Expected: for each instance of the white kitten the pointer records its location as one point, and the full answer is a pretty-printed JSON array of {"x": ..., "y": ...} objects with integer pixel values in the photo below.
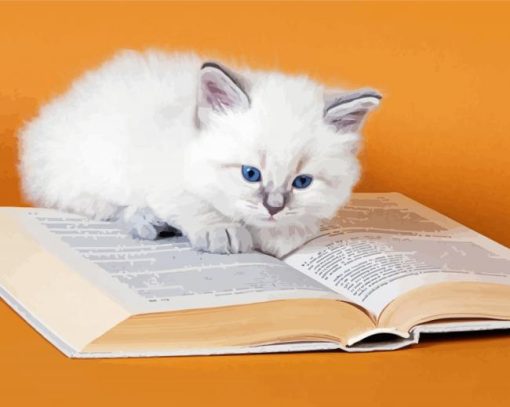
[{"x": 237, "y": 161}]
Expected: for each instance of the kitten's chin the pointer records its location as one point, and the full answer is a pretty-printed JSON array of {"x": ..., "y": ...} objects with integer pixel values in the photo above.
[
  {"x": 262, "y": 222},
  {"x": 270, "y": 222}
]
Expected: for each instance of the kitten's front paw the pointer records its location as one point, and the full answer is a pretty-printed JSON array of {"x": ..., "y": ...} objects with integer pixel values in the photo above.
[
  {"x": 144, "y": 224},
  {"x": 223, "y": 239}
]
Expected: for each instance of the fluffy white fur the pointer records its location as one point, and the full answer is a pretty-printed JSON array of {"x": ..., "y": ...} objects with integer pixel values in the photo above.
[{"x": 128, "y": 142}]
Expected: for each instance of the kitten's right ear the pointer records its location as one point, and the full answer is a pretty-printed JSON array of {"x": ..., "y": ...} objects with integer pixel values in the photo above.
[{"x": 219, "y": 91}]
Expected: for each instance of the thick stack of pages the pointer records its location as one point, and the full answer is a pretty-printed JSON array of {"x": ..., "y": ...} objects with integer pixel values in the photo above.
[{"x": 385, "y": 265}]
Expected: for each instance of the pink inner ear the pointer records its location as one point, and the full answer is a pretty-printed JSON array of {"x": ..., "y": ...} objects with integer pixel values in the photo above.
[
  {"x": 350, "y": 121},
  {"x": 217, "y": 96}
]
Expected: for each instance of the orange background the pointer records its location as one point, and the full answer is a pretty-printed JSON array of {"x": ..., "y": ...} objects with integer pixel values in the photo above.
[{"x": 440, "y": 136}]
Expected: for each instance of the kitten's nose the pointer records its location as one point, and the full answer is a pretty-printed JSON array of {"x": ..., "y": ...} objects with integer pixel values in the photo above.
[{"x": 274, "y": 203}]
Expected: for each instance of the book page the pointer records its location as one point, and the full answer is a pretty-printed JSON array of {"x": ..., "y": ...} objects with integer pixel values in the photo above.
[
  {"x": 382, "y": 245},
  {"x": 165, "y": 274}
]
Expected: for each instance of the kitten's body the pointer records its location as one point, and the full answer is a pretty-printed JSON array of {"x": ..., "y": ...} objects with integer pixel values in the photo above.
[{"x": 127, "y": 142}]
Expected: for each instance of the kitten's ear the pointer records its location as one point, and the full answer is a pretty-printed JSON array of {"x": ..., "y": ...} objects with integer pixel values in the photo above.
[
  {"x": 220, "y": 90},
  {"x": 347, "y": 110}
]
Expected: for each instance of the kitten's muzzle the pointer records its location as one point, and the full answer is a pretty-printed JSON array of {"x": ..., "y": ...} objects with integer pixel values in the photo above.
[{"x": 274, "y": 202}]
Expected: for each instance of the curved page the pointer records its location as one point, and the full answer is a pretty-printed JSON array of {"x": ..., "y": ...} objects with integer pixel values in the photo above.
[{"x": 383, "y": 245}]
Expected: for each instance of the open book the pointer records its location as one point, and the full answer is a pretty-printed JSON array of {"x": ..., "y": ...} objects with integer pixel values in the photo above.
[{"x": 385, "y": 265}]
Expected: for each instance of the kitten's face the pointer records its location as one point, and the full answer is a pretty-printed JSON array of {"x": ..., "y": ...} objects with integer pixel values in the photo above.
[
  {"x": 277, "y": 161},
  {"x": 267, "y": 184}
]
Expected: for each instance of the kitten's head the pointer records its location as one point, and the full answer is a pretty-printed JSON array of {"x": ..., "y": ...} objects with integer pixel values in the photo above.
[{"x": 276, "y": 149}]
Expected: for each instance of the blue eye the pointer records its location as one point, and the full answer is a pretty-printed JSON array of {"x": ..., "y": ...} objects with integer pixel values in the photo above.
[
  {"x": 302, "y": 181},
  {"x": 251, "y": 174}
]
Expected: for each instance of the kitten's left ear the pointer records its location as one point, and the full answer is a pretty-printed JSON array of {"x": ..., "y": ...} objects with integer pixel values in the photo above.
[
  {"x": 347, "y": 110},
  {"x": 220, "y": 90}
]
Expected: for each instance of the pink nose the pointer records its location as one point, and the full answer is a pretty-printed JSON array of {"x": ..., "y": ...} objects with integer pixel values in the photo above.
[
  {"x": 272, "y": 209},
  {"x": 274, "y": 202}
]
